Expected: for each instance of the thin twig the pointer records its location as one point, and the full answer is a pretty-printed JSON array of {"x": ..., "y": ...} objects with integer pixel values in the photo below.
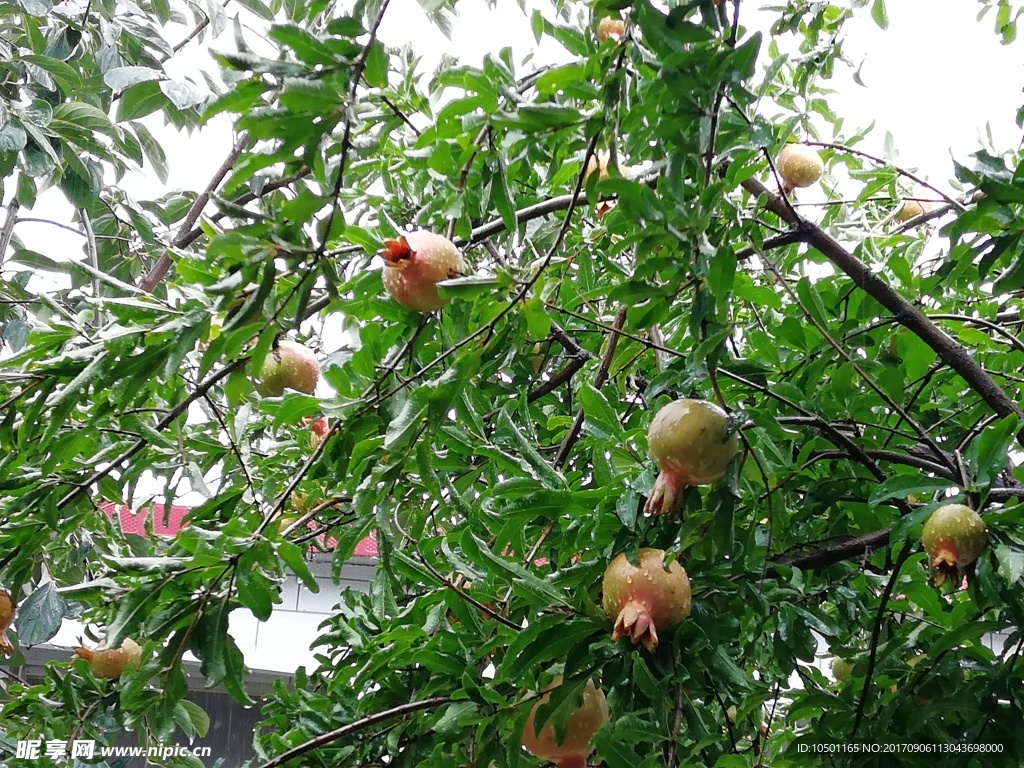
[
  {"x": 8, "y": 229},
  {"x": 876, "y": 631},
  {"x": 346, "y": 730},
  {"x": 902, "y": 171},
  {"x": 159, "y": 270}
]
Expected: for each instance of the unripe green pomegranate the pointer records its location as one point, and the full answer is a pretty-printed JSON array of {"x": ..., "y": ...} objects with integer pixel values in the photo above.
[
  {"x": 413, "y": 266},
  {"x": 111, "y": 663},
  {"x": 953, "y": 537},
  {"x": 688, "y": 440},
  {"x": 842, "y": 669},
  {"x": 643, "y": 599},
  {"x": 580, "y": 729},
  {"x": 289, "y": 365},
  {"x": 798, "y": 166}
]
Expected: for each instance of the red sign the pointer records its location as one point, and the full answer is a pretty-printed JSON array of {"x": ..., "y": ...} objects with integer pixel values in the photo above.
[{"x": 134, "y": 523}]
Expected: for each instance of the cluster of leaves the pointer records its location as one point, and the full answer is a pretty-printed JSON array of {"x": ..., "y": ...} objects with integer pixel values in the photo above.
[{"x": 497, "y": 449}]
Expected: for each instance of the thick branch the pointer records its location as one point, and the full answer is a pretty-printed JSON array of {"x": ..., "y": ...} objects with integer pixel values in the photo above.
[
  {"x": 824, "y": 556},
  {"x": 905, "y": 313}
]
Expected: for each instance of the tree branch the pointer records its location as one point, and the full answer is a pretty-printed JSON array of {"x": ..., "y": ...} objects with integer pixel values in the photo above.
[
  {"x": 905, "y": 313},
  {"x": 346, "y": 730},
  {"x": 159, "y": 270},
  {"x": 876, "y": 631},
  {"x": 8, "y": 229},
  {"x": 171, "y": 416},
  {"x": 952, "y": 202},
  {"x": 599, "y": 380}
]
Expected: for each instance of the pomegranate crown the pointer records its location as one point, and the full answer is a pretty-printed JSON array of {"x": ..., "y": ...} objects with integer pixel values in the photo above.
[{"x": 396, "y": 252}]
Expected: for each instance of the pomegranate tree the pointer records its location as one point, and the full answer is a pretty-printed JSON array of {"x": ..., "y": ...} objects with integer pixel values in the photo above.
[
  {"x": 111, "y": 662},
  {"x": 413, "y": 266},
  {"x": 953, "y": 537},
  {"x": 645, "y": 598},
  {"x": 6, "y": 617},
  {"x": 691, "y": 444},
  {"x": 572, "y": 751},
  {"x": 289, "y": 365},
  {"x": 798, "y": 166}
]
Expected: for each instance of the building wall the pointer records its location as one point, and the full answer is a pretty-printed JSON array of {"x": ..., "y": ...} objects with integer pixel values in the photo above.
[{"x": 273, "y": 650}]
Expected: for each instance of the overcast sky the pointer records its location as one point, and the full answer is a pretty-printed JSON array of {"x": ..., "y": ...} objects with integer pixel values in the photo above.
[{"x": 936, "y": 79}]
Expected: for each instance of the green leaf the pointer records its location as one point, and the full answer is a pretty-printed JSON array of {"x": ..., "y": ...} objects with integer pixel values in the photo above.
[
  {"x": 140, "y": 100},
  {"x": 478, "y": 551},
  {"x": 306, "y": 46},
  {"x": 906, "y": 485},
  {"x": 989, "y": 452},
  {"x": 119, "y": 78},
  {"x": 376, "y": 71},
  {"x": 529, "y": 458},
  {"x": 295, "y": 558},
  {"x": 879, "y": 14},
  {"x": 40, "y": 615}
]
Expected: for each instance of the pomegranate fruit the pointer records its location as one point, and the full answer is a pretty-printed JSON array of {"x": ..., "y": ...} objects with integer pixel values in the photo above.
[
  {"x": 611, "y": 28},
  {"x": 289, "y": 365},
  {"x": 645, "y": 598},
  {"x": 911, "y": 209},
  {"x": 413, "y": 266},
  {"x": 798, "y": 166},
  {"x": 689, "y": 442},
  {"x": 318, "y": 432},
  {"x": 953, "y": 537},
  {"x": 582, "y": 725},
  {"x": 111, "y": 663},
  {"x": 6, "y": 617},
  {"x": 842, "y": 669}
]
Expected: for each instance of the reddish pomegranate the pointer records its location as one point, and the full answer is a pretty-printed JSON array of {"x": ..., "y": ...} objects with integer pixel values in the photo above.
[
  {"x": 953, "y": 537},
  {"x": 611, "y": 28},
  {"x": 318, "y": 431},
  {"x": 289, "y": 365},
  {"x": 798, "y": 166},
  {"x": 413, "y": 266},
  {"x": 646, "y": 598},
  {"x": 6, "y": 617},
  {"x": 111, "y": 663},
  {"x": 582, "y": 725},
  {"x": 689, "y": 441}
]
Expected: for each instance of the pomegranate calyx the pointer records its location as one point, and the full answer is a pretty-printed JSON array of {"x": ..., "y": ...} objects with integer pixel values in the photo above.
[
  {"x": 397, "y": 253},
  {"x": 634, "y": 621},
  {"x": 662, "y": 500}
]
